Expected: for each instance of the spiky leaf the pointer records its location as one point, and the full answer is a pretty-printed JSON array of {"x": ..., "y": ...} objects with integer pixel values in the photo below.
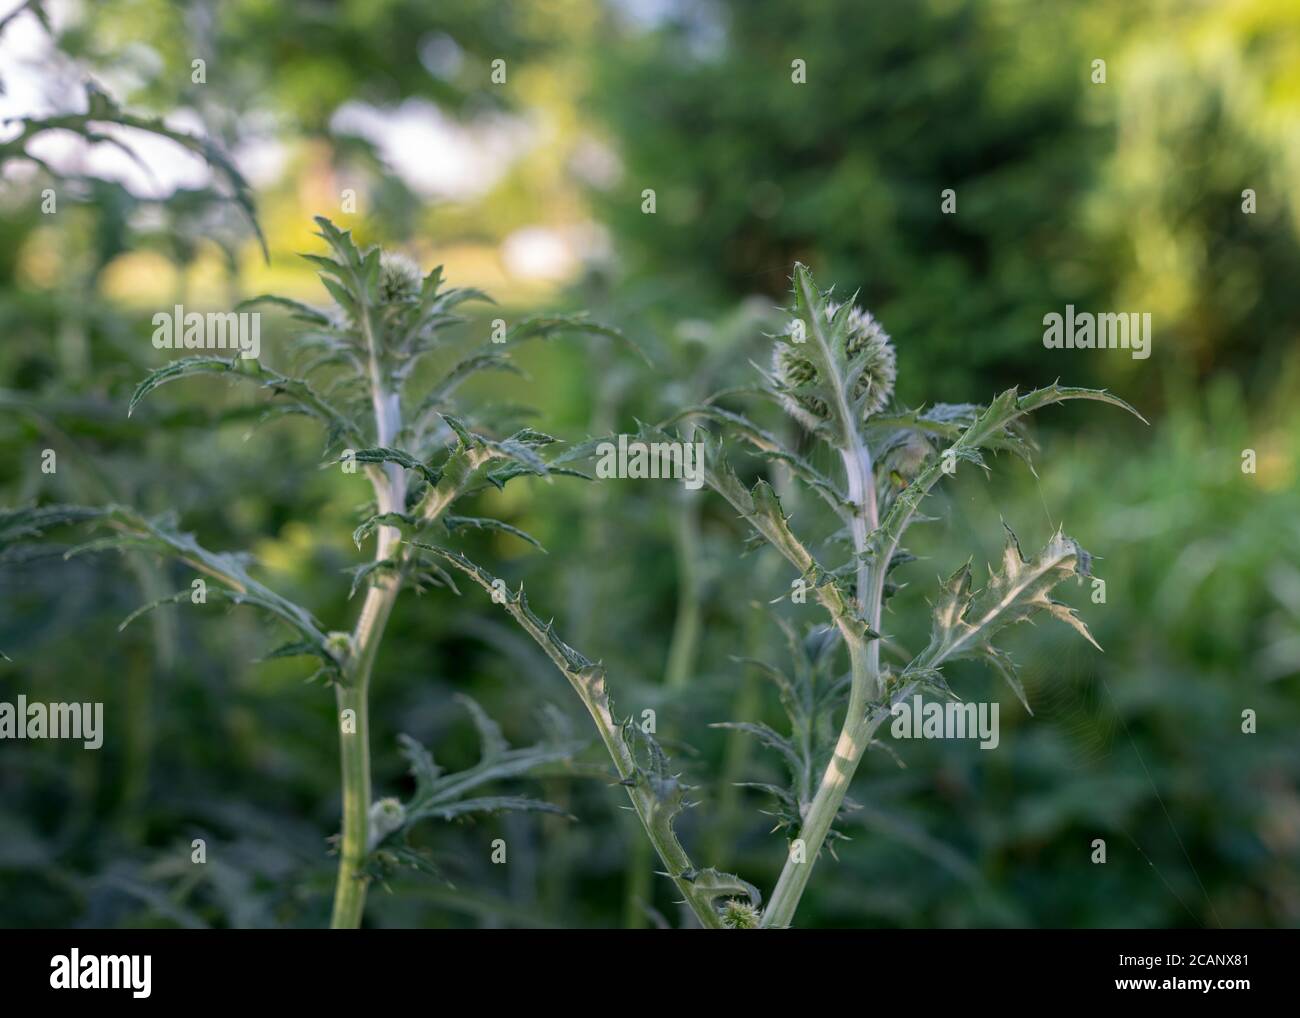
[{"x": 966, "y": 620}]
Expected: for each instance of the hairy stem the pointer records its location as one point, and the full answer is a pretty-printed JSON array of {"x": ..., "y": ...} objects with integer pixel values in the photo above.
[
  {"x": 856, "y": 732},
  {"x": 821, "y": 814},
  {"x": 825, "y": 805},
  {"x": 354, "y": 748},
  {"x": 354, "y": 753},
  {"x": 353, "y": 692},
  {"x": 865, "y": 519}
]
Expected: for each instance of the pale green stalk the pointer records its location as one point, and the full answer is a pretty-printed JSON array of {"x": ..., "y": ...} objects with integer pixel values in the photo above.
[
  {"x": 354, "y": 742},
  {"x": 354, "y": 689},
  {"x": 857, "y": 731}
]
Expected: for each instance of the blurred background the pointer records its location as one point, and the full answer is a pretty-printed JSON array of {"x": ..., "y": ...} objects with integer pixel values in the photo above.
[{"x": 1125, "y": 195}]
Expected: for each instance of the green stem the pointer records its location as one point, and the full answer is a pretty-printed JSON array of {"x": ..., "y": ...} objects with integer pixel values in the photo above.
[
  {"x": 857, "y": 731},
  {"x": 354, "y": 753},
  {"x": 854, "y": 738},
  {"x": 354, "y": 747},
  {"x": 353, "y": 692}
]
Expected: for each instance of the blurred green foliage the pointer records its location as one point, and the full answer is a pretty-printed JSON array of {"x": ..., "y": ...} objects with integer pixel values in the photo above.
[{"x": 1119, "y": 195}]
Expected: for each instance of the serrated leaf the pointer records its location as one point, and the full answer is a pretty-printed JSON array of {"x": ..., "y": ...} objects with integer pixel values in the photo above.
[
  {"x": 988, "y": 430},
  {"x": 770, "y": 447},
  {"x": 371, "y": 523},
  {"x": 466, "y": 437},
  {"x": 421, "y": 765},
  {"x": 782, "y": 795},
  {"x": 384, "y": 454},
  {"x": 487, "y": 523},
  {"x": 34, "y": 520},
  {"x": 297, "y": 648},
  {"x": 759, "y": 506},
  {"x": 492, "y": 743},
  {"x": 101, "y": 108},
  {"x": 488, "y": 804},
  {"x": 713, "y": 884},
  {"x": 965, "y": 621},
  {"x": 463, "y": 370},
  {"x": 364, "y": 572},
  {"x": 302, "y": 312},
  {"x": 1001, "y": 662},
  {"x": 769, "y": 737},
  {"x": 549, "y": 326},
  {"x": 158, "y": 602},
  {"x": 298, "y": 390},
  {"x": 159, "y": 534}
]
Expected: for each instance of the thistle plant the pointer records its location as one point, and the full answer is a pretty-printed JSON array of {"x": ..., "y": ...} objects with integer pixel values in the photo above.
[
  {"x": 422, "y": 454},
  {"x": 833, "y": 372}
]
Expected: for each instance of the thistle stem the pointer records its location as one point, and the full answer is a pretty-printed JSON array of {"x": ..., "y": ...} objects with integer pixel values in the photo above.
[
  {"x": 862, "y": 493},
  {"x": 822, "y": 811},
  {"x": 353, "y": 693},
  {"x": 856, "y": 732},
  {"x": 657, "y": 825},
  {"x": 354, "y": 753}
]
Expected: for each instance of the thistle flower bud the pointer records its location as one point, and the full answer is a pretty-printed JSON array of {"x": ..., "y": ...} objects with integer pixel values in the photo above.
[
  {"x": 871, "y": 364},
  {"x": 339, "y": 643},
  {"x": 399, "y": 278},
  {"x": 739, "y": 915},
  {"x": 386, "y": 816}
]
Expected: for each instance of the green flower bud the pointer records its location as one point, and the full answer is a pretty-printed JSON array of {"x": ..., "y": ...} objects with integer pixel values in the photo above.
[
  {"x": 872, "y": 364},
  {"x": 739, "y": 915},
  {"x": 399, "y": 278},
  {"x": 386, "y": 816},
  {"x": 339, "y": 644}
]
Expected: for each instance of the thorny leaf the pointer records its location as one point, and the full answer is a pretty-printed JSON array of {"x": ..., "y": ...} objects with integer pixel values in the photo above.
[
  {"x": 966, "y": 620},
  {"x": 770, "y": 447},
  {"x": 442, "y": 796}
]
